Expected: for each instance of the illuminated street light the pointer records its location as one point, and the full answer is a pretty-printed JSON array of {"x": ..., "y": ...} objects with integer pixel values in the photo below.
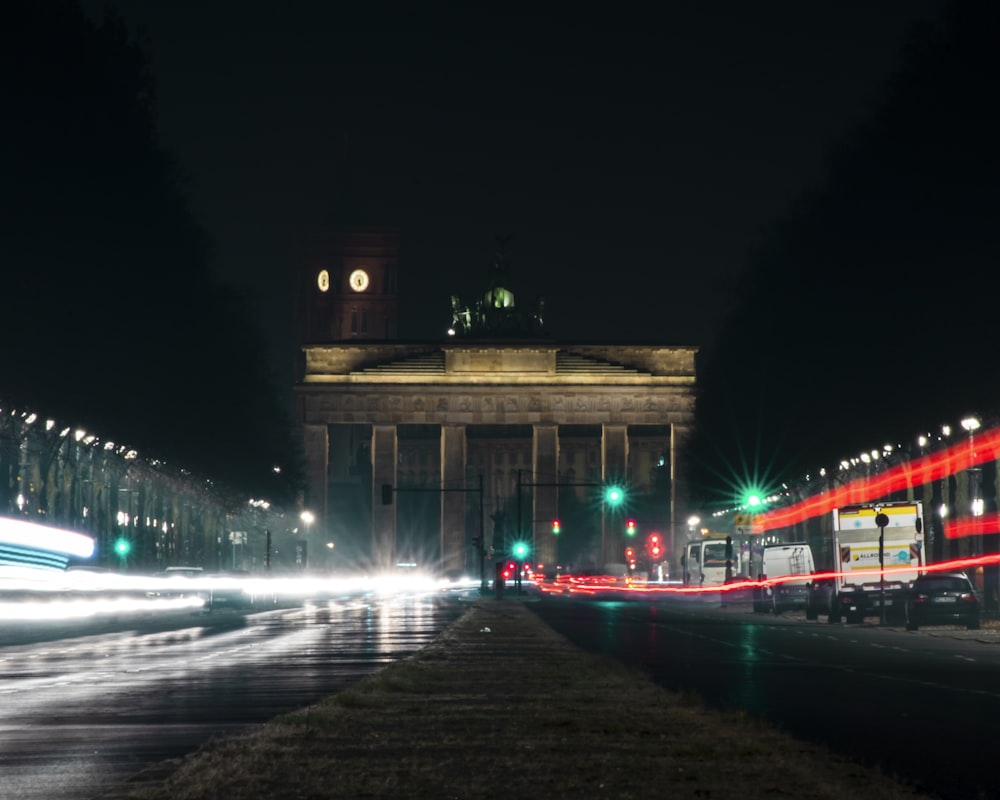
[{"x": 970, "y": 424}]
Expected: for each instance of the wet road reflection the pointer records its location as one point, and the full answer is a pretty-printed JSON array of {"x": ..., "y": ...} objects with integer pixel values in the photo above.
[{"x": 81, "y": 714}]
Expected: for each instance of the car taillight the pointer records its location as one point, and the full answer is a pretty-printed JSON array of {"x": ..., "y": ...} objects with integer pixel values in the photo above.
[
  {"x": 967, "y": 597},
  {"x": 920, "y": 598}
]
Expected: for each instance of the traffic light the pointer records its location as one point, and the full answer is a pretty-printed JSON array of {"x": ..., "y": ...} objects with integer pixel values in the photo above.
[
  {"x": 630, "y": 527},
  {"x": 556, "y": 526},
  {"x": 122, "y": 547},
  {"x": 729, "y": 548},
  {"x": 509, "y": 570},
  {"x": 753, "y": 497},
  {"x": 614, "y": 495},
  {"x": 630, "y": 555},
  {"x": 653, "y": 545},
  {"x": 520, "y": 550}
]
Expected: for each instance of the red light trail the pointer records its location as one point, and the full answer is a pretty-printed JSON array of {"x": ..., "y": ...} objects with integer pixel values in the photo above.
[
  {"x": 608, "y": 584},
  {"x": 926, "y": 469},
  {"x": 972, "y": 526}
]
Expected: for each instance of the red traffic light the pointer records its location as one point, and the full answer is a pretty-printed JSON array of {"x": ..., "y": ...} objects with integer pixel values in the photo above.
[
  {"x": 630, "y": 527},
  {"x": 630, "y": 554}
]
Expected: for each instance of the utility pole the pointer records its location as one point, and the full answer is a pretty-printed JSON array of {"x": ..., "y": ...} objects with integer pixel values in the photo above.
[{"x": 881, "y": 520}]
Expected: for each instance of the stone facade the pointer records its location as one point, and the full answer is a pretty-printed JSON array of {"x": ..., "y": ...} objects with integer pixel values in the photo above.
[{"x": 458, "y": 384}]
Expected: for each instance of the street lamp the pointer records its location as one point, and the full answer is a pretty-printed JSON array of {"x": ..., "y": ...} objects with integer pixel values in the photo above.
[{"x": 971, "y": 425}]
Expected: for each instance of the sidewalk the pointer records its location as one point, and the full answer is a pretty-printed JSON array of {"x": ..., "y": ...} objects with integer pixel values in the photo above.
[{"x": 502, "y": 706}]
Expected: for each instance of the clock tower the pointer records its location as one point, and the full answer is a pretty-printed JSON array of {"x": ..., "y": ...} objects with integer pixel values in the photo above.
[{"x": 348, "y": 287}]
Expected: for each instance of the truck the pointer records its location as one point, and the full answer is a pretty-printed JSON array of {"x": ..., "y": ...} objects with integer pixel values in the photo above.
[
  {"x": 877, "y": 551},
  {"x": 776, "y": 562}
]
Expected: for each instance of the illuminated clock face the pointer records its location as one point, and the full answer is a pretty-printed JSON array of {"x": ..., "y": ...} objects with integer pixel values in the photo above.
[
  {"x": 323, "y": 280},
  {"x": 359, "y": 280}
]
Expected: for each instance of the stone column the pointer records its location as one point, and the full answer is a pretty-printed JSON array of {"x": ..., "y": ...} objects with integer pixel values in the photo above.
[
  {"x": 453, "y": 537},
  {"x": 614, "y": 469},
  {"x": 679, "y": 499},
  {"x": 317, "y": 451},
  {"x": 384, "y": 448},
  {"x": 545, "y": 467}
]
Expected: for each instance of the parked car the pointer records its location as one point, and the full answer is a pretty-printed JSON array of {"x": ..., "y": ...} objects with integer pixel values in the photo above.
[{"x": 948, "y": 598}]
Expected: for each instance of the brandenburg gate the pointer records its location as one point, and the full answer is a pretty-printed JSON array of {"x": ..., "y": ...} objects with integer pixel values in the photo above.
[{"x": 461, "y": 383}]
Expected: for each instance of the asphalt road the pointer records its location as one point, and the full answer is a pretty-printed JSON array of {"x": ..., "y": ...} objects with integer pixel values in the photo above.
[
  {"x": 80, "y": 715},
  {"x": 923, "y": 705}
]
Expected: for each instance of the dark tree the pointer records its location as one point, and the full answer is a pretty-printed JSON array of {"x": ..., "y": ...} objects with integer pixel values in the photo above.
[
  {"x": 868, "y": 315},
  {"x": 112, "y": 318}
]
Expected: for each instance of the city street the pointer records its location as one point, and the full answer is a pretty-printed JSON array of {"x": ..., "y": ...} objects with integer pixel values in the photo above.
[{"x": 82, "y": 714}]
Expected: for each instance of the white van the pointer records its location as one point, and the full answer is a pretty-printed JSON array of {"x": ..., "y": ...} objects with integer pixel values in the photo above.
[
  {"x": 716, "y": 569},
  {"x": 691, "y": 563},
  {"x": 778, "y": 561}
]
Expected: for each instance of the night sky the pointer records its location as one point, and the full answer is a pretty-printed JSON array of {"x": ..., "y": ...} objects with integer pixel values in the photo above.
[{"x": 633, "y": 158}]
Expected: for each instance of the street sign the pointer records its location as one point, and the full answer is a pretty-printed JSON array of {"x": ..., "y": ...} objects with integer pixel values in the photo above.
[{"x": 748, "y": 524}]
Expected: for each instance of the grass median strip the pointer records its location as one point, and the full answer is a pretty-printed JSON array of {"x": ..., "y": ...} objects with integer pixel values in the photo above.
[{"x": 500, "y": 705}]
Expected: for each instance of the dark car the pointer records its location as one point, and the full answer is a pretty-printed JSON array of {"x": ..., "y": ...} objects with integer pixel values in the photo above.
[{"x": 943, "y": 599}]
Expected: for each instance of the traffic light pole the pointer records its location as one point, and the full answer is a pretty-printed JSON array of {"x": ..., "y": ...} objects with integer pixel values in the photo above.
[
  {"x": 556, "y": 484},
  {"x": 481, "y": 542}
]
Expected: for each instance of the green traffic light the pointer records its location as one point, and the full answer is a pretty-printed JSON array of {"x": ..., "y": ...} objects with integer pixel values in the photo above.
[
  {"x": 614, "y": 495},
  {"x": 520, "y": 549},
  {"x": 122, "y": 546},
  {"x": 752, "y": 496}
]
